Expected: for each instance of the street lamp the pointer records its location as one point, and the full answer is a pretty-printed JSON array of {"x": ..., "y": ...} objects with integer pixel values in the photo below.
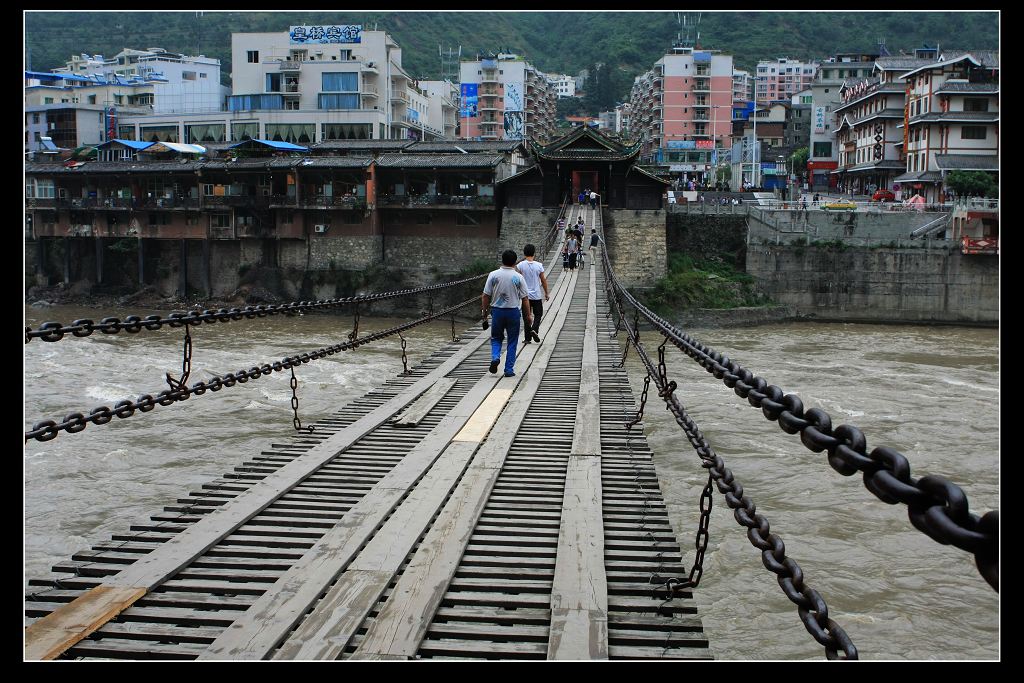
[{"x": 714, "y": 136}]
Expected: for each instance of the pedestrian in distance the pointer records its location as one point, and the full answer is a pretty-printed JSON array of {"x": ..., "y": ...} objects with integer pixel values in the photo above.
[
  {"x": 505, "y": 295},
  {"x": 572, "y": 248},
  {"x": 595, "y": 241},
  {"x": 533, "y": 275},
  {"x": 593, "y": 199}
]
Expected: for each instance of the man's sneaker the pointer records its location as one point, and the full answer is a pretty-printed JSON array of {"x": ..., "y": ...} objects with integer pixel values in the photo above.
[
  {"x": 494, "y": 367},
  {"x": 536, "y": 337},
  {"x": 526, "y": 341},
  {"x": 510, "y": 374}
]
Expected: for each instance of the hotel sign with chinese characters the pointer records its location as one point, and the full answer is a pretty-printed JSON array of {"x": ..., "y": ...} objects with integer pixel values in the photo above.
[{"x": 325, "y": 34}]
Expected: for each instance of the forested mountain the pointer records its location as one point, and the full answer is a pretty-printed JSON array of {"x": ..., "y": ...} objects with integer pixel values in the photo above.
[{"x": 625, "y": 43}]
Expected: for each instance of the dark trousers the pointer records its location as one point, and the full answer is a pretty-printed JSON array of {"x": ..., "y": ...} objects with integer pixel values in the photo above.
[
  {"x": 537, "y": 306},
  {"x": 593, "y": 203}
]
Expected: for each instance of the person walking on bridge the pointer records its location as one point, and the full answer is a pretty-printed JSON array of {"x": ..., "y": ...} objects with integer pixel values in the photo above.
[
  {"x": 572, "y": 249},
  {"x": 504, "y": 295},
  {"x": 533, "y": 274},
  {"x": 593, "y": 200},
  {"x": 595, "y": 241}
]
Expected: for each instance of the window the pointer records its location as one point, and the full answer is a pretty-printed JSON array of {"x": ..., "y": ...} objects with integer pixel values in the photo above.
[
  {"x": 295, "y": 133},
  {"x": 273, "y": 83},
  {"x": 245, "y": 131},
  {"x": 822, "y": 149},
  {"x": 975, "y": 104},
  {"x": 35, "y": 118},
  {"x": 188, "y": 75},
  {"x": 159, "y": 133},
  {"x": 158, "y": 218},
  {"x": 202, "y": 132},
  {"x": 973, "y": 132},
  {"x": 220, "y": 220},
  {"x": 253, "y": 56},
  {"x": 49, "y": 100},
  {"x": 92, "y": 99},
  {"x": 202, "y": 75},
  {"x": 250, "y": 102},
  {"x": 345, "y": 131},
  {"x": 340, "y": 82}
]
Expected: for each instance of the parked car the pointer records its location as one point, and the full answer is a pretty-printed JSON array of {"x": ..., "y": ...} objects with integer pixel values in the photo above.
[{"x": 883, "y": 196}]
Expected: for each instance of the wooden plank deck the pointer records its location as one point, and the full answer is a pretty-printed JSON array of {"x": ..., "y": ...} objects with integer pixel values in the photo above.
[{"x": 507, "y": 518}]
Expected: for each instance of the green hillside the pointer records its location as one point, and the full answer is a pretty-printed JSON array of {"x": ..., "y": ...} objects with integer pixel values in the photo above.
[{"x": 555, "y": 42}]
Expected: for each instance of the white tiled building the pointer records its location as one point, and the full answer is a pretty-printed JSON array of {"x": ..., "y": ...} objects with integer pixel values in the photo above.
[{"x": 782, "y": 78}]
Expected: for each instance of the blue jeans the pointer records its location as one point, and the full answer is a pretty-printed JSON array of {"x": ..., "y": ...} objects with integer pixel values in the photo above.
[{"x": 505, "y": 320}]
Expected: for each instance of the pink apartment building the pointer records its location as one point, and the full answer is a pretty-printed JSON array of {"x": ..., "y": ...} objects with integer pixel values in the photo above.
[{"x": 683, "y": 106}]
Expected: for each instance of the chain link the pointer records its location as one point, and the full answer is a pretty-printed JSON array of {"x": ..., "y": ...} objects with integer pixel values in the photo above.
[
  {"x": 296, "y": 422},
  {"x": 405, "y": 359},
  {"x": 75, "y": 422},
  {"x": 186, "y": 363},
  {"x": 455, "y": 336},
  {"x": 355, "y": 323},
  {"x": 133, "y": 324}
]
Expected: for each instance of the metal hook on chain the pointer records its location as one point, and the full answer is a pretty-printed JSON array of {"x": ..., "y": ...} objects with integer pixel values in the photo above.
[
  {"x": 186, "y": 363},
  {"x": 643, "y": 403},
  {"x": 296, "y": 422}
]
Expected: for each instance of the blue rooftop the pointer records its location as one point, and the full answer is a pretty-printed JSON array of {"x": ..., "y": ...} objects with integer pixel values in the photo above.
[
  {"x": 283, "y": 146},
  {"x": 134, "y": 144}
]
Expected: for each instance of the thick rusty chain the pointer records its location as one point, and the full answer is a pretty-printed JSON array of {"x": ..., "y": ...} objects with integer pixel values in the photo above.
[
  {"x": 55, "y": 331},
  {"x": 811, "y": 607},
  {"x": 296, "y": 422},
  {"x": 186, "y": 363},
  {"x": 935, "y": 506},
  {"x": 455, "y": 335},
  {"x": 76, "y": 422}
]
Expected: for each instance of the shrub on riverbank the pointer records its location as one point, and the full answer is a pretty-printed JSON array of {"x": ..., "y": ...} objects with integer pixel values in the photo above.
[{"x": 702, "y": 283}]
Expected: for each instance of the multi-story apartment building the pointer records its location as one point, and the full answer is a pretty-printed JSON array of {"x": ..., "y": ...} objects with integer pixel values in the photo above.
[
  {"x": 683, "y": 103},
  {"x": 179, "y": 83},
  {"x": 442, "y": 100},
  {"x": 343, "y": 84},
  {"x": 565, "y": 86},
  {"x": 950, "y": 121},
  {"x": 829, "y": 79},
  {"x": 782, "y": 78},
  {"x": 742, "y": 86},
  {"x": 505, "y": 98}
]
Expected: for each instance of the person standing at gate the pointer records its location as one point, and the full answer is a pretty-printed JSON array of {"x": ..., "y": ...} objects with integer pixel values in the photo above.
[
  {"x": 593, "y": 200},
  {"x": 505, "y": 294},
  {"x": 533, "y": 274}
]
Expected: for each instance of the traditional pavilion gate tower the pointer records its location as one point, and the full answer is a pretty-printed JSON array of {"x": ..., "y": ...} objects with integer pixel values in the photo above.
[{"x": 585, "y": 159}]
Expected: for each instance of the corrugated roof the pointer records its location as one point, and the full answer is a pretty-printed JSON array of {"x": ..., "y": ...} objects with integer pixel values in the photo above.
[
  {"x": 983, "y": 116},
  {"x": 967, "y": 162},
  {"x": 374, "y": 145},
  {"x": 468, "y": 145},
  {"x": 926, "y": 176},
  {"x": 519, "y": 174},
  {"x": 439, "y": 160},
  {"x": 134, "y": 144},
  {"x": 963, "y": 86},
  {"x": 334, "y": 162},
  {"x": 175, "y": 147},
  {"x": 649, "y": 175},
  {"x": 249, "y": 164},
  {"x": 273, "y": 144},
  {"x": 901, "y": 63}
]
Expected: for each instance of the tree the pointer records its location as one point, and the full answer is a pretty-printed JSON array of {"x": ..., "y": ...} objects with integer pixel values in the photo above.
[
  {"x": 972, "y": 184},
  {"x": 798, "y": 161}
]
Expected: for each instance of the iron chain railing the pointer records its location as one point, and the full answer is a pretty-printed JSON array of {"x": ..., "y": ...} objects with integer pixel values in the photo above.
[
  {"x": 55, "y": 331},
  {"x": 76, "y": 422},
  {"x": 811, "y": 607},
  {"x": 936, "y": 506}
]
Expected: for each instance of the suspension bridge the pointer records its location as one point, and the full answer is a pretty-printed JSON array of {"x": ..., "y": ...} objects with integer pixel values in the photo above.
[{"x": 452, "y": 513}]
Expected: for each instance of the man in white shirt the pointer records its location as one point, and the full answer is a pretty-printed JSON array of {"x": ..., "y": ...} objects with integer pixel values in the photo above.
[
  {"x": 533, "y": 274},
  {"x": 504, "y": 294}
]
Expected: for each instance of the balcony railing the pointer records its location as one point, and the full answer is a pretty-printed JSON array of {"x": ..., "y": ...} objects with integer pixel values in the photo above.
[
  {"x": 437, "y": 200},
  {"x": 289, "y": 65},
  {"x": 237, "y": 200},
  {"x": 343, "y": 202},
  {"x": 155, "y": 203},
  {"x": 222, "y": 233}
]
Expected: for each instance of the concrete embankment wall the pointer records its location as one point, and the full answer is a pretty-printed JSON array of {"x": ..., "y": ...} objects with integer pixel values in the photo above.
[
  {"x": 854, "y": 228},
  {"x": 879, "y": 284},
  {"x": 636, "y": 245}
]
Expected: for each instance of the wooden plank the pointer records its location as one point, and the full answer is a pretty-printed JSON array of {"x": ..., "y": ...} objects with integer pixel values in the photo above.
[
  {"x": 62, "y": 628},
  {"x": 278, "y": 611},
  {"x": 579, "y": 593},
  {"x": 402, "y": 622},
  {"x": 415, "y": 412},
  {"x": 586, "y": 438},
  {"x": 484, "y": 418}
]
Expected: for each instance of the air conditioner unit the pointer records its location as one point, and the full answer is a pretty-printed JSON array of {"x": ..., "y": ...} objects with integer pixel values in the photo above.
[{"x": 319, "y": 228}]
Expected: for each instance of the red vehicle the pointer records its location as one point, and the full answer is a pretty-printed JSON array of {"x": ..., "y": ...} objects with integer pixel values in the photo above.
[{"x": 883, "y": 196}]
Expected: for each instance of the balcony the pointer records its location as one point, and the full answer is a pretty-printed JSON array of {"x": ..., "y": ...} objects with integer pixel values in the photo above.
[
  {"x": 400, "y": 96},
  {"x": 291, "y": 88},
  {"x": 369, "y": 67},
  {"x": 152, "y": 203},
  {"x": 702, "y": 85},
  {"x": 368, "y": 91},
  {"x": 41, "y": 203},
  {"x": 289, "y": 65},
  {"x": 222, "y": 233}
]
